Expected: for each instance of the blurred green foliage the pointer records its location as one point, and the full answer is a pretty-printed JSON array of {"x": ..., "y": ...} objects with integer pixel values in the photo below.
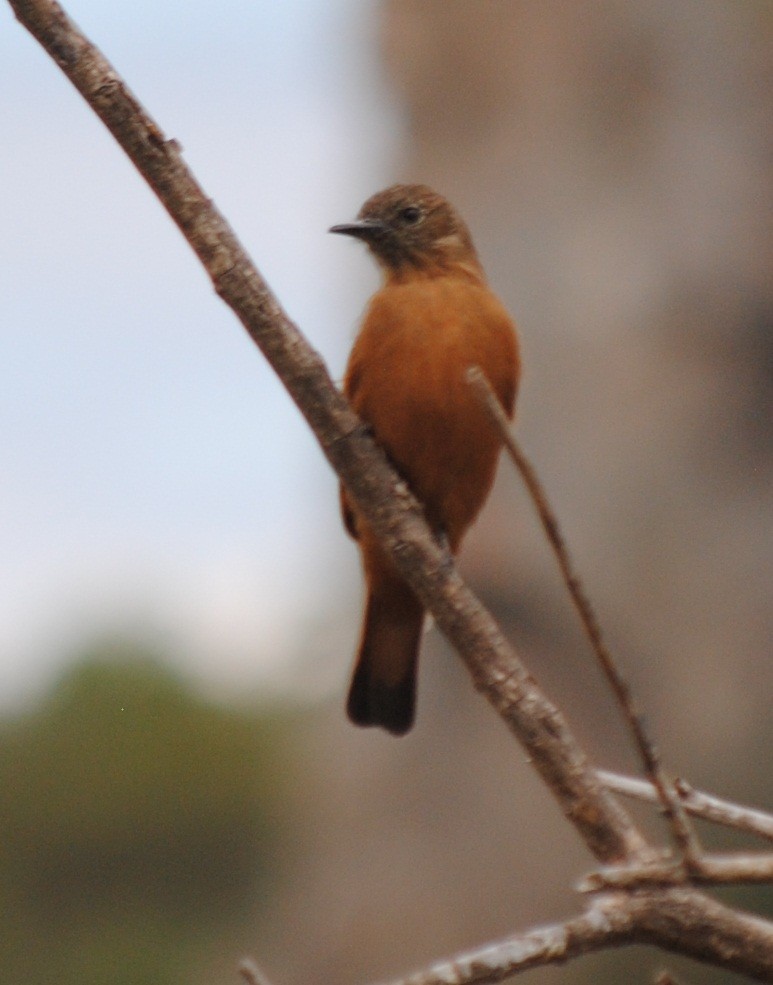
[{"x": 136, "y": 818}]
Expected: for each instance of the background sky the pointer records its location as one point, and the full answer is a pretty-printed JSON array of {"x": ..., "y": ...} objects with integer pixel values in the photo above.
[{"x": 155, "y": 477}]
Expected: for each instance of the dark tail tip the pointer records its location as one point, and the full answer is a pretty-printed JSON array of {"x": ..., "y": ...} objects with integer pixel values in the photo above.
[{"x": 371, "y": 702}]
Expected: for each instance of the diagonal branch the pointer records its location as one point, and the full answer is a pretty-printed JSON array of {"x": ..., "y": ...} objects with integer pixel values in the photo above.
[
  {"x": 392, "y": 511},
  {"x": 599, "y": 927},
  {"x": 677, "y": 920},
  {"x": 685, "y": 921},
  {"x": 681, "y": 829}
]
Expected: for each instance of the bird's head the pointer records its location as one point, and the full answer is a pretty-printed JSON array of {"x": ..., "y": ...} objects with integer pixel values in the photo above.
[{"x": 412, "y": 229}]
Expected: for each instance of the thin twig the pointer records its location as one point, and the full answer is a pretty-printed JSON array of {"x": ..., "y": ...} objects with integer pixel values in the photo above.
[
  {"x": 681, "y": 829},
  {"x": 251, "y": 973},
  {"x": 695, "y": 802},
  {"x": 708, "y": 870}
]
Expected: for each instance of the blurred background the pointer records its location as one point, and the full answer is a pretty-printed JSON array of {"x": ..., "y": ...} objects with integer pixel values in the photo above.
[{"x": 179, "y": 605}]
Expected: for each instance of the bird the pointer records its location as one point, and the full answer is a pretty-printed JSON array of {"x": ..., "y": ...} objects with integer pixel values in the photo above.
[{"x": 433, "y": 317}]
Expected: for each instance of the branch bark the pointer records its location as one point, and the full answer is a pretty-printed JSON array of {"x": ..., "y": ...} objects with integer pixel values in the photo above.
[
  {"x": 682, "y": 921},
  {"x": 599, "y": 927},
  {"x": 696, "y": 802},
  {"x": 705, "y": 870}
]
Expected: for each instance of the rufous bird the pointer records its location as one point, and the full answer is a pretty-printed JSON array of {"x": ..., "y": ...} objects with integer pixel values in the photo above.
[{"x": 433, "y": 318}]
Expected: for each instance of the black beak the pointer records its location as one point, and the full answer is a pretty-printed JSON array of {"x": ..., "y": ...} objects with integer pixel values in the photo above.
[{"x": 366, "y": 229}]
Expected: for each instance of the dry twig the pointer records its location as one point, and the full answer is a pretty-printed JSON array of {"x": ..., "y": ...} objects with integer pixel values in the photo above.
[
  {"x": 707, "y": 870},
  {"x": 665, "y": 918},
  {"x": 251, "y": 974},
  {"x": 681, "y": 829},
  {"x": 695, "y": 802}
]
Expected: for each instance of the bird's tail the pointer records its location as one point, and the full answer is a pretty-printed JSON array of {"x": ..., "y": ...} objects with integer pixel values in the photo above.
[{"x": 383, "y": 689}]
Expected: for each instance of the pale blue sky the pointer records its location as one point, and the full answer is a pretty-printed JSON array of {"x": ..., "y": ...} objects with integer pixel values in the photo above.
[{"x": 154, "y": 473}]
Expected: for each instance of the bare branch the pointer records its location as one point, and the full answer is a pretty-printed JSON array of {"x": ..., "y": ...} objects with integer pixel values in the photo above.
[
  {"x": 389, "y": 507},
  {"x": 707, "y": 870},
  {"x": 682, "y": 832},
  {"x": 678, "y": 920},
  {"x": 695, "y": 802},
  {"x": 601, "y": 926},
  {"x": 688, "y": 922}
]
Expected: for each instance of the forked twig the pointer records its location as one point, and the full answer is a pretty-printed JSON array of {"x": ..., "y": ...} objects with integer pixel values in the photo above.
[
  {"x": 695, "y": 802},
  {"x": 614, "y": 919},
  {"x": 681, "y": 829},
  {"x": 709, "y": 870}
]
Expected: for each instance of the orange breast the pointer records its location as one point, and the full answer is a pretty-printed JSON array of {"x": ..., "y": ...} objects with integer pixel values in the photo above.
[{"x": 406, "y": 378}]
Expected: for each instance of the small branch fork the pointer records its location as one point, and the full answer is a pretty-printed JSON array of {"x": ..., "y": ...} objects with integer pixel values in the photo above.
[
  {"x": 710, "y": 870},
  {"x": 692, "y": 865},
  {"x": 681, "y": 919},
  {"x": 665, "y": 918},
  {"x": 707, "y": 869}
]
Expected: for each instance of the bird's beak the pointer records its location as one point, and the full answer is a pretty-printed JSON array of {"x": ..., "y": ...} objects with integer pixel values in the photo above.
[{"x": 361, "y": 228}]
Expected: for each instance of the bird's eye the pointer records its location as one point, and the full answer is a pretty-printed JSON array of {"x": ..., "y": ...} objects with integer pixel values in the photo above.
[{"x": 410, "y": 215}]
